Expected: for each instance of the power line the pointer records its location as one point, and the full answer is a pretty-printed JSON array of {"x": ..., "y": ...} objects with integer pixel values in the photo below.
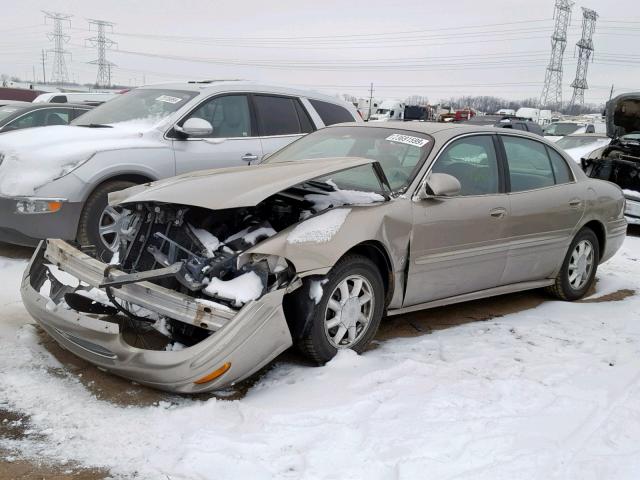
[
  {"x": 60, "y": 74},
  {"x": 102, "y": 43}
]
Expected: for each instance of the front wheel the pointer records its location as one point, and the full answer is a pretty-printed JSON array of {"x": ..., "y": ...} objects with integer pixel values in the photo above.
[
  {"x": 100, "y": 223},
  {"x": 349, "y": 311},
  {"x": 579, "y": 268}
]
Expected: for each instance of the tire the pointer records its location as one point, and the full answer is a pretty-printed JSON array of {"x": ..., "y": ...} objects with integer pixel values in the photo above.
[
  {"x": 315, "y": 342},
  {"x": 92, "y": 215},
  {"x": 564, "y": 287}
]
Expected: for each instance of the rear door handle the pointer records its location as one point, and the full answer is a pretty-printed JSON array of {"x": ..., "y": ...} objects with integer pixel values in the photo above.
[
  {"x": 575, "y": 203},
  {"x": 498, "y": 212},
  {"x": 249, "y": 157}
]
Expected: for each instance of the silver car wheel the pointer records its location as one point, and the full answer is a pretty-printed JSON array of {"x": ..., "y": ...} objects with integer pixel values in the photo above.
[
  {"x": 349, "y": 311},
  {"x": 580, "y": 264},
  {"x": 109, "y": 227}
]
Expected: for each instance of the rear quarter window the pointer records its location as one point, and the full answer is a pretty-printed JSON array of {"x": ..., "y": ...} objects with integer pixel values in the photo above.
[
  {"x": 279, "y": 116},
  {"x": 331, "y": 113}
]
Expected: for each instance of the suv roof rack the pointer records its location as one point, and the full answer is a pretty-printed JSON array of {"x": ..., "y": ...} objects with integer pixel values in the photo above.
[{"x": 216, "y": 80}]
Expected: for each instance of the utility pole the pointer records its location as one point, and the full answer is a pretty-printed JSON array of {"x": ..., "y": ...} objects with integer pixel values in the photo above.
[
  {"x": 370, "y": 100},
  {"x": 585, "y": 50},
  {"x": 60, "y": 74},
  {"x": 552, "y": 90},
  {"x": 102, "y": 43},
  {"x": 44, "y": 72}
]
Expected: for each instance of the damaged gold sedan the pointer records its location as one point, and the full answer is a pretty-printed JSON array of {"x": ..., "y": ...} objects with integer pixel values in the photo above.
[{"x": 218, "y": 272}]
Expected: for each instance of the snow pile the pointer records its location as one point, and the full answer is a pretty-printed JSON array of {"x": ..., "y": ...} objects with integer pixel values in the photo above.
[
  {"x": 239, "y": 290},
  {"x": 631, "y": 194},
  {"x": 319, "y": 229},
  {"x": 338, "y": 198},
  {"x": 251, "y": 234},
  {"x": 315, "y": 290},
  {"x": 208, "y": 239},
  {"x": 551, "y": 392}
]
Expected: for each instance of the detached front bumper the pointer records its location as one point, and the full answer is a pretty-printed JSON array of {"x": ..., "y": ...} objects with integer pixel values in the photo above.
[{"x": 247, "y": 340}]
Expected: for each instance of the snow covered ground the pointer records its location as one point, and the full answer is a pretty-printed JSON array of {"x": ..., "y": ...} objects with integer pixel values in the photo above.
[{"x": 552, "y": 392}]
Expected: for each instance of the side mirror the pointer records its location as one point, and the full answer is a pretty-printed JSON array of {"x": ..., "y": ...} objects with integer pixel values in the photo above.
[
  {"x": 441, "y": 185},
  {"x": 195, "y": 127}
]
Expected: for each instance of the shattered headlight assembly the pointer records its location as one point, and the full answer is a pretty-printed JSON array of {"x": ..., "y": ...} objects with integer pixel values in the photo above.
[
  {"x": 274, "y": 263},
  {"x": 31, "y": 206}
]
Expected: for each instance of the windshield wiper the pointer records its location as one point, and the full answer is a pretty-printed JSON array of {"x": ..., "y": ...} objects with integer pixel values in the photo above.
[{"x": 96, "y": 125}]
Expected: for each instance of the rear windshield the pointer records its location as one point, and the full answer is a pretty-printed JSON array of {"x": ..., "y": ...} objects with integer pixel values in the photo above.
[{"x": 561, "y": 129}]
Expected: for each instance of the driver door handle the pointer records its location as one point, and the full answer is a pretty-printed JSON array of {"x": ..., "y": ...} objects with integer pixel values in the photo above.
[
  {"x": 249, "y": 157},
  {"x": 499, "y": 212}
]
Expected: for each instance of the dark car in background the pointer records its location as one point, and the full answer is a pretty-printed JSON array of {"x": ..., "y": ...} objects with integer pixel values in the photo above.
[
  {"x": 506, "y": 121},
  {"x": 16, "y": 116}
]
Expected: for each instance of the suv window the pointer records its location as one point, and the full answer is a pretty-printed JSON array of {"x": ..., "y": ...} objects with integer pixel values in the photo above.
[
  {"x": 331, "y": 113},
  {"x": 279, "y": 116},
  {"x": 228, "y": 115},
  {"x": 529, "y": 164},
  {"x": 473, "y": 161}
]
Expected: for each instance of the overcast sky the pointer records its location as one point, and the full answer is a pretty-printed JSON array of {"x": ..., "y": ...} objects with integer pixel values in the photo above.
[{"x": 437, "y": 49}]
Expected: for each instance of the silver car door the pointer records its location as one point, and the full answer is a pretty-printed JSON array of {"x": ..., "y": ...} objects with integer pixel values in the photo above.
[
  {"x": 459, "y": 244},
  {"x": 546, "y": 205},
  {"x": 231, "y": 143}
]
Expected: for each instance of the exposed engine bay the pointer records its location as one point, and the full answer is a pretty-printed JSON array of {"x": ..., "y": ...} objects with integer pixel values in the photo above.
[{"x": 619, "y": 163}]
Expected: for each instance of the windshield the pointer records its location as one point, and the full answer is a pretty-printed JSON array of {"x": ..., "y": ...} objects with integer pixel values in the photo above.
[
  {"x": 144, "y": 105},
  {"x": 7, "y": 111},
  {"x": 399, "y": 152},
  {"x": 561, "y": 129},
  {"x": 574, "y": 142},
  {"x": 382, "y": 111},
  {"x": 631, "y": 136}
]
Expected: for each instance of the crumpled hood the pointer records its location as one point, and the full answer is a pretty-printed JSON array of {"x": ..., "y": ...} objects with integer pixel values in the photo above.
[
  {"x": 32, "y": 157},
  {"x": 623, "y": 115},
  {"x": 233, "y": 187}
]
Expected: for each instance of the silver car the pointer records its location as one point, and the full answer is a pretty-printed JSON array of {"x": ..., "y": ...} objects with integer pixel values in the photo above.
[
  {"x": 54, "y": 182},
  {"x": 218, "y": 272}
]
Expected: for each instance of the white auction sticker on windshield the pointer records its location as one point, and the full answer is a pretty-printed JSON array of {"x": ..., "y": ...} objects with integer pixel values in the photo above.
[
  {"x": 408, "y": 139},
  {"x": 169, "y": 99}
]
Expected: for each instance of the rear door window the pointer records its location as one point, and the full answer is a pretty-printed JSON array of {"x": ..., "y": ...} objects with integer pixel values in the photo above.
[
  {"x": 279, "y": 116},
  {"x": 529, "y": 164}
]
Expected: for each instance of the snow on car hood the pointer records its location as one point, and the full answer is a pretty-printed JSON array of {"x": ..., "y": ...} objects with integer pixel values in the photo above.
[
  {"x": 234, "y": 187},
  {"x": 32, "y": 157},
  {"x": 578, "y": 152}
]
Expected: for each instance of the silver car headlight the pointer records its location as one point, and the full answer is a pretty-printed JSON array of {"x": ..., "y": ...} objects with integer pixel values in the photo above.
[{"x": 30, "y": 206}]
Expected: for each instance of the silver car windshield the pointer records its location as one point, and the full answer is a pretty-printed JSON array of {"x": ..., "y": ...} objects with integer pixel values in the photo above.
[
  {"x": 399, "y": 152},
  {"x": 561, "y": 129},
  {"x": 145, "y": 105},
  {"x": 574, "y": 142}
]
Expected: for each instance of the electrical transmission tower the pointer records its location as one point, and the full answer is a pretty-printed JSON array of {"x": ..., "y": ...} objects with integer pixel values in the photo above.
[
  {"x": 102, "y": 43},
  {"x": 585, "y": 49},
  {"x": 552, "y": 90},
  {"x": 59, "y": 74}
]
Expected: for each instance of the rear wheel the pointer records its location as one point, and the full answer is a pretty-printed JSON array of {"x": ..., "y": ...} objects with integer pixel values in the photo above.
[
  {"x": 579, "y": 268},
  {"x": 100, "y": 222},
  {"x": 348, "y": 313}
]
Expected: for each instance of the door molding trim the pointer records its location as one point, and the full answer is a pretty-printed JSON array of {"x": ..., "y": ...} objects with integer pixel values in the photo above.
[{"x": 491, "y": 292}]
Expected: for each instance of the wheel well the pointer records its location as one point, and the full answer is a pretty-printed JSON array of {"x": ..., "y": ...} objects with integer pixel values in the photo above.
[
  {"x": 126, "y": 177},
  {"x": 601, "y": 235},
  {"x": 376, "y": 252}
]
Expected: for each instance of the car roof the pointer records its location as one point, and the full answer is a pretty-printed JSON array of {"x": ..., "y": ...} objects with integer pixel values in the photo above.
[
  {"x": 213, "y": 86},
  {"x": 26, "y": 107}
]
